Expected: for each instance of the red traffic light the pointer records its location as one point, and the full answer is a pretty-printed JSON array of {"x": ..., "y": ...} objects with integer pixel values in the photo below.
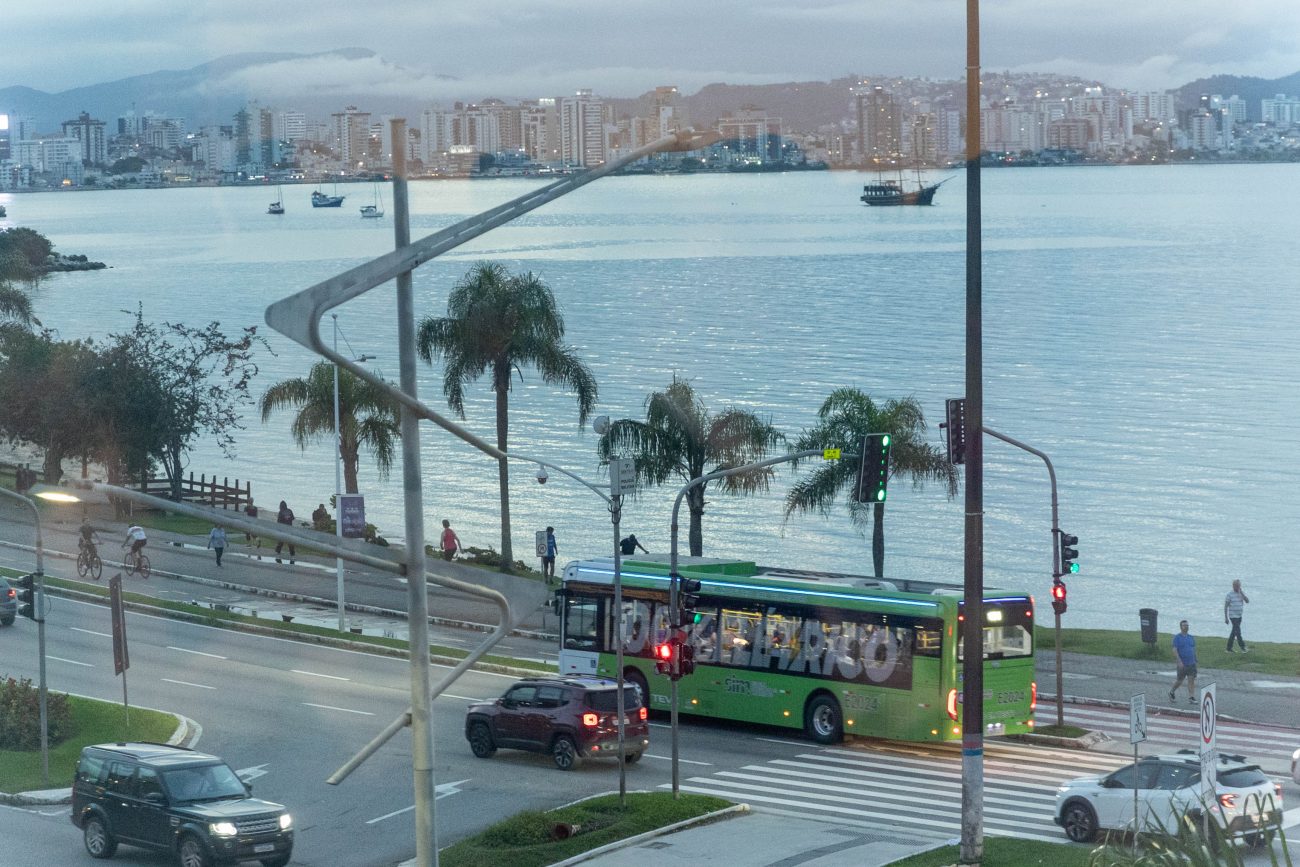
[
  {"x": 1058, "y": 596},
  {"x": 664, "y": 651}
]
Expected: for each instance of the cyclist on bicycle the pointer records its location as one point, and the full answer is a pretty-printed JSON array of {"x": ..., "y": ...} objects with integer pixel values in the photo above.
[
  {"x": 89, "y": 539},
  {"x": 136, "y": 538}
]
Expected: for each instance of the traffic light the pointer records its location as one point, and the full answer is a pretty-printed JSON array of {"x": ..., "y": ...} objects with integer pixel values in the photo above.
[
  {"x": 685, "y": 659},
  {"x": 688, "y": 590},
  {"x": 1069, "y": 554},
  {"x": 873, "y": 473},
  {"x": 956, "y": 427},
  {"x": 1058, "y": 596},
  {"x": 665, "y": 656},
  {"x": 27, "y": 601}
]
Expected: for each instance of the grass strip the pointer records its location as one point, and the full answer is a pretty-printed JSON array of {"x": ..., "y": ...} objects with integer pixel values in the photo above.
[
  {"x": 94, "y": 722},
  {"x": 1006, "y": 852},
  {"x": 526, "y": 839},
  {"x": 1263, "y": 658}
]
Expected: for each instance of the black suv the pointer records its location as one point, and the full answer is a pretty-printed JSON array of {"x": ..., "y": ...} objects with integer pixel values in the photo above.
[
  {"x": 176, "y": 800},
  {"x": 571, "y": 718}
]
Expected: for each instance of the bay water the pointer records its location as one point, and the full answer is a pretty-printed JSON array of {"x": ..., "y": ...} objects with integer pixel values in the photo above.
[{"x": 1139, "y": 325}]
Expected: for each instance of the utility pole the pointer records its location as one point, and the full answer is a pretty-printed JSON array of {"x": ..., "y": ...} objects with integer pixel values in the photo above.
[{"x": 972, "y": 692}]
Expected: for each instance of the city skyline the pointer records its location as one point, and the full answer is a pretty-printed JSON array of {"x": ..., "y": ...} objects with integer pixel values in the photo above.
[{"x": 509, "y": 49}]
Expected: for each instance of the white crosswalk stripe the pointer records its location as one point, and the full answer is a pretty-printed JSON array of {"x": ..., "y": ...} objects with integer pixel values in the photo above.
[
  {"x": 1168, "y": 732},
  {"x": 909, "y": 786}
]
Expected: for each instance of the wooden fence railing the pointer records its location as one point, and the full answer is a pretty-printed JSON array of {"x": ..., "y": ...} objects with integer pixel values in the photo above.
[{"x": 208, "y": 492}]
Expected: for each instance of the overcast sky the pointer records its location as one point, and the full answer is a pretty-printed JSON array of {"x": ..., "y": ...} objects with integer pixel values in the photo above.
[{"x": 525, "y": 48}]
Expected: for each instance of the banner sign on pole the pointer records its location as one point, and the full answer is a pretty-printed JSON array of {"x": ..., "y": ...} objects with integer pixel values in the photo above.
[
  {"x": 352, "y": 515},
  {"x": 622, "y": 476},
  {"x": 121, "y": 660}
]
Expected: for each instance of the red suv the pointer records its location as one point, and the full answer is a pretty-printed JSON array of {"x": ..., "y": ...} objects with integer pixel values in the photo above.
[{"x": 571, "y": 718}]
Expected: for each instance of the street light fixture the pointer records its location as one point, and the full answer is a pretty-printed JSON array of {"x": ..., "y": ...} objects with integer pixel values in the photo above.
[{"x": 338, "y": 476}]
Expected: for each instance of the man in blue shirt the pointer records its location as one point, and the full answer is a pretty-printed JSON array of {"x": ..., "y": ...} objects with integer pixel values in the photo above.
[
  {"x": 548, "y": 560},
  {"x": 1185, "y": 653}
]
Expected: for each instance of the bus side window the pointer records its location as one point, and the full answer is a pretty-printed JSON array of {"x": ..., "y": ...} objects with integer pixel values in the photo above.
[
  {"x": 740, "y": 631},
  {"x": 581, "y": 623},
  {"x": 636, "y": 631}
]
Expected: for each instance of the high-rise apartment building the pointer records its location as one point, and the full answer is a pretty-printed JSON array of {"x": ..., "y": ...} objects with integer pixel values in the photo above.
[
  {"x": 351, "y": 131},
  {"x": 90, "y": 133},
  {"x": 583, "y": 138},
  {"x": 880, "y": 125},
  {"x": 291, "y": 126},
  {"x": 750, "y": 135}
]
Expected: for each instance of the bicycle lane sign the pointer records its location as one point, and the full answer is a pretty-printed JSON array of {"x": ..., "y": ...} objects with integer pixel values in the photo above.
[{"x": 1209, "y": 741}]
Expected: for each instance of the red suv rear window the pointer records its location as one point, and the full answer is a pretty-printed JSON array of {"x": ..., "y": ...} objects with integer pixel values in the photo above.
[{"x": 607, "y": 699}]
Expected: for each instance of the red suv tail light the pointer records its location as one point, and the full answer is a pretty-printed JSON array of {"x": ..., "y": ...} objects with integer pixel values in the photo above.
[
  {"x": 642, "y": 714},
  {"x": 590, "y": 720}
]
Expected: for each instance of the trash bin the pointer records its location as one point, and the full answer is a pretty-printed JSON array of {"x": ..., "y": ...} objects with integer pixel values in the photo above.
[{"x": 1147, "y": 619}]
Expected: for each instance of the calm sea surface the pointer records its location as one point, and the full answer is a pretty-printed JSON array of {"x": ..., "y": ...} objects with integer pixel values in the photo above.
[{"x": 1140, "y": 326}]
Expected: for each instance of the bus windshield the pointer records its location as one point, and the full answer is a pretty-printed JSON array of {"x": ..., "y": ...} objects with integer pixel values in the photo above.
[{"x": 1008, "y": 629}]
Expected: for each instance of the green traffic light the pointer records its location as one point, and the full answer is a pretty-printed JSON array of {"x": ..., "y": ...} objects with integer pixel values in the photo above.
[
  {"x": 884, "y": 440},
  {"x": 880, "y": 496},
  {"x": 1074, "y": 567}
]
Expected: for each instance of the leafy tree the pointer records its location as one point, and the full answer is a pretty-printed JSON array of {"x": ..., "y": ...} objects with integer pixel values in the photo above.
[
  {"x": 367, "y": 416},
  {"x": 45, "y": 388},
  {"x": 497, "y": 323},
  {"x": 200, "y": 378},
  {"x": 15, "y": 306},
  {"x": 843, "y": 419},
  {"x": 680, "y": 439},
  {"x": 30, "y": 246}
]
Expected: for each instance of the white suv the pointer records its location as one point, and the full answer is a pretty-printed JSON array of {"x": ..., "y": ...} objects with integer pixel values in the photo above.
[{"x": 1168, "y": 788}]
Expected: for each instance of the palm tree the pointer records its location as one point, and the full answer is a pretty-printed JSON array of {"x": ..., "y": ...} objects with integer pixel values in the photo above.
[
  {"x": 367, "y": 416},
  {"x": 14, "y": 304},
  {"x": 679, "y": 438},
  {"x": 497, "y": 323},
  {"x": 844, "y": 418}
]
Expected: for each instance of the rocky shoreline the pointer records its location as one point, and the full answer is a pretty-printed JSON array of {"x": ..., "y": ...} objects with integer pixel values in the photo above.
[{"x": 59, "y": 262}]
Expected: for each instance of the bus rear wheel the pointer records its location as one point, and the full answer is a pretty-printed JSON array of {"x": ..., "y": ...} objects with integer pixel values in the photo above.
[{"x": 823, "y": 721}]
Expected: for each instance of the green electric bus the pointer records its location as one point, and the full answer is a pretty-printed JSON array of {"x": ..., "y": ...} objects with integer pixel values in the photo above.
[{"x": 826, "y": 652}]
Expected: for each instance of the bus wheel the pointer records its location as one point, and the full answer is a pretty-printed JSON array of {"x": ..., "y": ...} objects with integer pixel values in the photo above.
[
  {"x": 823, "y": 721},
  {"x": 638, "y": 679}
]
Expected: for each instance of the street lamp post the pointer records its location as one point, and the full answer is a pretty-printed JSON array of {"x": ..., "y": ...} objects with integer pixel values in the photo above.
[
  {"x": 338, "y": 475},
  {"x": 38, "y": 608},
  {"x": 618, "y": 482}
]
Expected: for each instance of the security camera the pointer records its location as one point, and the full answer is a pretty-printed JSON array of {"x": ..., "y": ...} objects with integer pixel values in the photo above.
[
  {"x": 541, "y": 475},
  {"x": 600, "y": 424}
]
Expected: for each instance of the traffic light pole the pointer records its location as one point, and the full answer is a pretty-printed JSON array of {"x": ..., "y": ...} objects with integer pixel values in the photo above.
[
  {"x": 38, "y": 611},
  {"x": 1056, "y": 533},
  {"x": 676, "y": 579}
]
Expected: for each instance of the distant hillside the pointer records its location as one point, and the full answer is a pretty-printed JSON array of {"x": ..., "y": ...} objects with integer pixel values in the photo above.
[{"x": 1252, "y": 90}]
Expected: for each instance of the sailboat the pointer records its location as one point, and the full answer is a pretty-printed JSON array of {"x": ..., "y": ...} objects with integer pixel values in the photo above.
[
  {"x": 888, "y": 191},
  {"x": 277, "y": 207},
  {"x": 374, "y": 211}
]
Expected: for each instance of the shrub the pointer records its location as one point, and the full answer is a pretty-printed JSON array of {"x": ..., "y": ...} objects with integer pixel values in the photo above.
[{"x": 20, "y": 716}]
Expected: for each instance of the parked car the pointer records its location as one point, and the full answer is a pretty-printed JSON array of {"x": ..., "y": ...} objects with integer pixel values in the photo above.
[
  {"x": 175, "y": 800},
  {"x": 1168, "y": 788},
  {"x": 571, "y": 718},
  {"x": 8, "y": 603},
  {"x": 1295, "y": 766}
]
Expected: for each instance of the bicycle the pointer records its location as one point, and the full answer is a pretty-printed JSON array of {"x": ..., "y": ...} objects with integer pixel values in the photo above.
[
  {"x": 89, "y": 563},
  {"x": 136, "y": 561}
]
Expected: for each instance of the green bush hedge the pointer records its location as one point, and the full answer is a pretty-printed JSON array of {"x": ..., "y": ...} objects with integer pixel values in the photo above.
[{"x": 20, "y": 716}]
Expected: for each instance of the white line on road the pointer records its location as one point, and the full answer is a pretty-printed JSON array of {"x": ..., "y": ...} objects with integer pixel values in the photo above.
[
  {"x": 70, "y": 661},
  {"x": 91, "y": 632},
  {"x": 195, "y": 652},
  {"x": 441, "y": 791},
  {"x": 462, "y": 697},
  {"x": 344, "y": 709},
  {"x": 317, "y": 674},
  {"x": 670, "y": 758},
  {"x": 187, "y": 683}
]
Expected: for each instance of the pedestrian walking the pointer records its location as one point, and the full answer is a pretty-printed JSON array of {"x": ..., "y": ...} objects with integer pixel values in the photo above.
[
  {"x": 320, "y": 518},
  {"x": 217, "y": 541},
  {"x": 1185, "y": 653},
  {"x": 630, "y": 544},
  {"x": 548, "y": 559},
  {"x": 450, "y": 543},
  {"x": 1233, "y": 606},
  {"x": 251, "y": 511},
  {"x": 284, "y": 516}
]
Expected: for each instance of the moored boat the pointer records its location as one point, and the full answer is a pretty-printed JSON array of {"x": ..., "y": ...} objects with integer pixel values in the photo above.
[
  {"x": 320, "y": 200},
  {"x": 887, "y": 192}
]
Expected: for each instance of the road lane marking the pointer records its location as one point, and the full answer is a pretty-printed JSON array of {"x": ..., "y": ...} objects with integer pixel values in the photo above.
[
  {"x": 195, "y": 652},
  {"x": 670, "y": 758},
  {"x": 317, "y": 674},
  {"x": 440, "y": 791},
  {"x": 343, "y": 709},
  {"x": 187, "y": 683},
  {"x": 91, "y": 632},
  {"x": 462, "y": 697},
  {"x": 250, "y": 774},
  {"x": 69, "y": 661}
]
